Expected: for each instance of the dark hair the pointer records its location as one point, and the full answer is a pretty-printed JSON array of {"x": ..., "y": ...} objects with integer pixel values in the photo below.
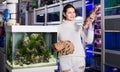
[{"x": 66, "y": 7}]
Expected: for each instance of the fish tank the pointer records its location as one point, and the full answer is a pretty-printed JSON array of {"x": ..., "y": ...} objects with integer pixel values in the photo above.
[
  {"x": 30, "y": 46},
  {"x": 112, "y": 7},
  {"x": 112, "y": 40},
  {"x": 52, "y": 17},
  {"x": 53, "y": 14},
  {"x": 39, "y": 16}
]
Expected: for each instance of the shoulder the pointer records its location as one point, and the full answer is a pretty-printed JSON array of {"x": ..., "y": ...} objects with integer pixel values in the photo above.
[{"x": 60, "y": 26}]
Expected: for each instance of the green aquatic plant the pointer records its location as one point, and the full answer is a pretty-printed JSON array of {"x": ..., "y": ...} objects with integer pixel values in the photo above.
[{"x": 31, "y": 49}]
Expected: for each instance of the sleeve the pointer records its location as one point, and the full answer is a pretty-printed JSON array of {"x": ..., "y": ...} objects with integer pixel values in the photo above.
[
  {"x": 58, "y": 34},
  {"x": 87, "y": 36}
]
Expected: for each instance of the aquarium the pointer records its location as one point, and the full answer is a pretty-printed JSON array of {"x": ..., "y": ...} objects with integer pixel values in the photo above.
[
  {"x": 79, "y": 11},
  {"x": 2, "y": 37},
  {"x": 39, "y": 16},
  {"x": 111, "y": 69},
  {"x": 30, "y": 46},
  {"x": 53, "y": 14},
  {"x": 112, "y": 11},
  {"x": 23, "y": 18},
  {"x": 112, "y": 40},
  {"x": 93, "y": 60},
  {"x": 112, "y": 7},
  {"x": 53, "y": 17}
]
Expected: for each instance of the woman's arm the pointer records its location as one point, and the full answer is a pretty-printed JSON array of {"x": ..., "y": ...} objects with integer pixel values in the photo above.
[{"x": 88, "y": 36}]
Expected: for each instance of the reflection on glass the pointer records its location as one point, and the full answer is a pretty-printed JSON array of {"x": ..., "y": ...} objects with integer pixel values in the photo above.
[
  {"x": 111, "y": 3},
  {"x": 2, "y": 37},
  {"x": 111, "y": 69},
  {"x": 112, "y": 11},
  {"x": 40, "y": 18},
  {"x": 53, "y": 16},
  {"x": 79, "y": 11},
  {"x": 112, "y": 7},
  {"x": 23, "y": 19}
]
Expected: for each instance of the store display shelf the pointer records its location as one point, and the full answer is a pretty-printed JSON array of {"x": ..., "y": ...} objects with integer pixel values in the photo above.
[
  {"x": 95, "y": 52},
  {"x": 36, "y": 69},
  {"x": 112, "y": 17},
  {"x": 53, "y": 23},
  {"x": 112, "y": 30},
  {"x": 108, "y": 8},
  {"x": 53, "y": 5},
  {"x": 40, "y": 24},
  {"x": 40, "y": 8},
  {"x": 51, "y": 63},
  {"x": 68, "y": 1},
  {"x": 112, "y": 52},
  {"x": 15, "y": 28}
]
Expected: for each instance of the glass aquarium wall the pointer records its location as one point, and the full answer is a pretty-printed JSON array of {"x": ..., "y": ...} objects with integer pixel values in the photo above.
[
  {"x": 112, "y": 7},
  {"x": 30, "y": 49},
  {"x": 53, "y": 17},
  {"x": 111, "y": 69},
  {"x": 79, "y": 11},
  {"x": 39, "y": 16},
  {"x": 112, "y": 40},
  {"x": 53, "y": 13},
  {"x": 2, "y": 37}
]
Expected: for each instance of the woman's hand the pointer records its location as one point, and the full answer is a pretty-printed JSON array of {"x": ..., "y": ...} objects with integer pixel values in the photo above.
[
  {"x": 90, "y": 19},
  {"x": 88, "y": 23}
]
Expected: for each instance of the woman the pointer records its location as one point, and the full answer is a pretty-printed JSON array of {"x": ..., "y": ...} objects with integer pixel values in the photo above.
[{"x": 68, "y": 30}]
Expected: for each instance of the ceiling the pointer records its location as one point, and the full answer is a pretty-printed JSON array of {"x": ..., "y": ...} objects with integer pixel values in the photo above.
[
  {"x": 2, "y": 1},
  {"x": 21, "y": 0}
]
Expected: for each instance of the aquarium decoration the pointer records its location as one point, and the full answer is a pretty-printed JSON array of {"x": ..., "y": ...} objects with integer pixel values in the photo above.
[{"x": 31, "y": 49}]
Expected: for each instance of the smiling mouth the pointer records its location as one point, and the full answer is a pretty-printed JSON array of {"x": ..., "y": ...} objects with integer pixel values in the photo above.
[{"x": 72, "y": 17}]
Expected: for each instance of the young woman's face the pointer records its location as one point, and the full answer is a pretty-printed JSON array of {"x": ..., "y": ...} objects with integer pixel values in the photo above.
[{"x": 70, "y": 14}]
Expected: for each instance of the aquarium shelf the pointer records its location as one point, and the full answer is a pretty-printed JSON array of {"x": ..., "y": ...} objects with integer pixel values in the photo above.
[
  {"x": 112, "y": 17},
  {"x": 17, "y": 28},
  {"x": 53, "y": 23},
  {"x": 33, "y": 69},
  {"x": 41, "y": 55},
  {"x": 95, "y": 52},
  {"x": 112, "y": 52},
  {"x": 112, "y": 30}
]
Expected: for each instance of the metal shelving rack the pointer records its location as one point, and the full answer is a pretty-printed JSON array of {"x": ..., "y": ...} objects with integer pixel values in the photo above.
[
  {"x": 110, "y": 24},
  {"x": 103, "y": 38},
  {"x": 95, "y": 50},
  {"x": 53, "y": 8}
]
